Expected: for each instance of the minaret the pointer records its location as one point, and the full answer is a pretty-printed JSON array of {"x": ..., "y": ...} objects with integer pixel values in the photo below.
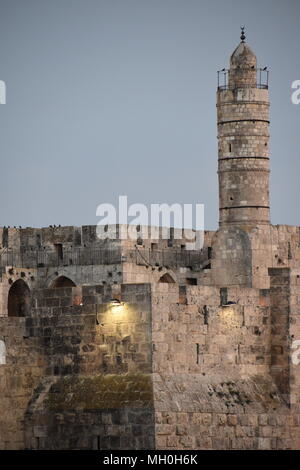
[{"x": 243, "y": 136}]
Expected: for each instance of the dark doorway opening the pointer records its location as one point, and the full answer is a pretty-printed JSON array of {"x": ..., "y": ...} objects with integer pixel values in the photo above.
[{"x": 18, "y": 299}]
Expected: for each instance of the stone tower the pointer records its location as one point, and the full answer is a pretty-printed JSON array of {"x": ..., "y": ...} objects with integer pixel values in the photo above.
[
  {"x": 243, "y": 135},
  {"x": 243, "y": 169}
]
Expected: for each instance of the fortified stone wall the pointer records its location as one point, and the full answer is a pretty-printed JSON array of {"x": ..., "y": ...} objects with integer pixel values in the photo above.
[
  {"x": 169, "y": 367},
  {"x": 98, "y": 236},
  {"x": 243, "y": 255},
  {"x": 78, "y": 254},
  {"x": 160, "y": 343},
  {"x": 21, "y": 370},
  {"x": 97, "y": 388},
  {"x": 214, "y": 384}
]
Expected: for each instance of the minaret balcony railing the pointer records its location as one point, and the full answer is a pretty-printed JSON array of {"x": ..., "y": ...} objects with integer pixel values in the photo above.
[{"x": 262, "y": 80}]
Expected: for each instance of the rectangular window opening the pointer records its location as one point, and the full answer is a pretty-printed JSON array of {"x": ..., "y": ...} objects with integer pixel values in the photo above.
[{"x": 59, "y": 250}]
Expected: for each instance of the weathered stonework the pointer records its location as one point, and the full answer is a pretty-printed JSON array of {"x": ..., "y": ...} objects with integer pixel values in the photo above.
[{"x": 149, "y": 343}]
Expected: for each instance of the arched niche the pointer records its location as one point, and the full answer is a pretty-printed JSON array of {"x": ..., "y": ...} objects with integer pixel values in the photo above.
[
  {"x": 62, "y": 281},
  {"x": 18, "y": 299},
  {"x": 166, "y": 278}
]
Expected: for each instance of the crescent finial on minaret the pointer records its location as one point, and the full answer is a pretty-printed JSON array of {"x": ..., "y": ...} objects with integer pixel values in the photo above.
[{"x": 243, "y": 37}]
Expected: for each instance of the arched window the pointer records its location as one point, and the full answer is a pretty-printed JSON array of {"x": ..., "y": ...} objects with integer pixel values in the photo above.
[
  {"x": 18, "y": 299},
  {"x": 167, "y": 278},
  {"x": 63, "y": 281},
  {"x": 2, "y": 352}
]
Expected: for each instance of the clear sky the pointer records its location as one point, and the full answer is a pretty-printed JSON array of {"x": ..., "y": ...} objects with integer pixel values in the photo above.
[{"x": 117, "y": 97}]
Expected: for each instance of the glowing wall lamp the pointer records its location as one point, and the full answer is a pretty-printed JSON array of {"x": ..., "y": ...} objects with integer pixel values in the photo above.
[
  {"x": 115, "y": 302},
  {"x": 116, "y": 306},
  {"x": 228, "y": 304}
]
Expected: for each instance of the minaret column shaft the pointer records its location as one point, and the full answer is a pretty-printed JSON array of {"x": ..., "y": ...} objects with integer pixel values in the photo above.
[{"x": 243, "y": 147}]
